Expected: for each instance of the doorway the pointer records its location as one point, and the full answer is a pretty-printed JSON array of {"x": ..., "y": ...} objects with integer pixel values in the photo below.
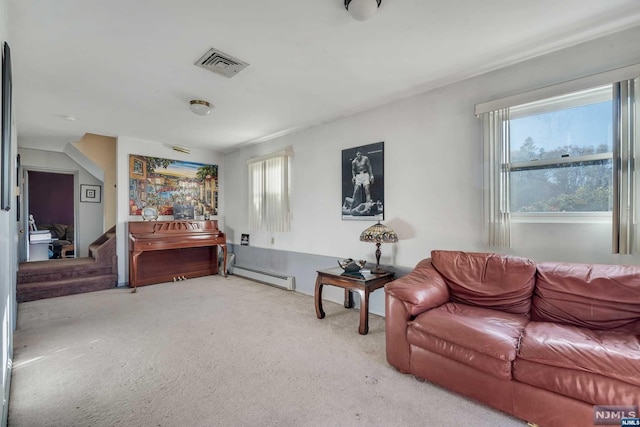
[{"x": 50, "y": 199}]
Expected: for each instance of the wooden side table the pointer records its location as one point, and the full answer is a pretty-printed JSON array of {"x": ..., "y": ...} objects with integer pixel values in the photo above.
[
  {"x": 67, "y": 248},
  {"x": 362, "y": 283}
]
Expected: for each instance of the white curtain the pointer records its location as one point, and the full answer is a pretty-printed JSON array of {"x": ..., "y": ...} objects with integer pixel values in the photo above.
[
  {"x": 625, "y": 118},
  {"x": 496, "y": 178},
  {"x": 269, "y": 193}
]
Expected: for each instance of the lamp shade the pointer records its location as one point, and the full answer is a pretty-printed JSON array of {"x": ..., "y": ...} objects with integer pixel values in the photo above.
[
  {"x": 379, "y": 233},
  {"x": 361, "y": 10}
]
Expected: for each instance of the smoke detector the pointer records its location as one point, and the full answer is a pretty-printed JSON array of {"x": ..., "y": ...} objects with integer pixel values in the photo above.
[{"x": 221, "y": 63}]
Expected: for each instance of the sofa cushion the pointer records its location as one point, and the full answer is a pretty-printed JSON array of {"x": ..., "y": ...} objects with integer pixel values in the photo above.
[
  {"x": 69, "y": 233},
  {"x": 484, "y": 339},
  {"x": 60, "y": 231},
  {"x": 610, "y": 354},
  {"x": 495, "y": 281},
  {"x": 588, "y": 296},
  {"x": 594, "y": 389}
]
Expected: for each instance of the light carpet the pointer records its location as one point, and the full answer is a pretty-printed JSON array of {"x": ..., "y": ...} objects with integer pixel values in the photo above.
[{"x": 215, "y": 351}]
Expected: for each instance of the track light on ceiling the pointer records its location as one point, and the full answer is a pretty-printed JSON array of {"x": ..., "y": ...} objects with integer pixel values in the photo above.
[
  {"x": 362, "y": 10},
  {"x": 200, "y": 107}
]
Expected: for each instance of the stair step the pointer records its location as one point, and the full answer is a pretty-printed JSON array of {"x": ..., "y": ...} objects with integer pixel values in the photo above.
[
  {"x": 58, "y": 288},
  {"x": 57, "y": 271},
  {"x": 67, "y": 276}
]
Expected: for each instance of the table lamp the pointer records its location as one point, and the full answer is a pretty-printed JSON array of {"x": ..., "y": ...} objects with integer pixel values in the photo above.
[{"x": 378, "y": 233}]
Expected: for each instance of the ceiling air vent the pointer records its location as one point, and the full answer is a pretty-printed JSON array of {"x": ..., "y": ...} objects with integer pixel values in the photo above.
[{"x": 221, "y": 63}]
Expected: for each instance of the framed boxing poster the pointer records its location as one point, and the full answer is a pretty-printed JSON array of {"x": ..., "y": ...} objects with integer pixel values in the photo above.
[{"x": 363, "y": 182}]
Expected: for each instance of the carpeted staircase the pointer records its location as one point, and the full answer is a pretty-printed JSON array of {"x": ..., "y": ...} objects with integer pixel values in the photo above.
[{"x": 67, "y": 276}]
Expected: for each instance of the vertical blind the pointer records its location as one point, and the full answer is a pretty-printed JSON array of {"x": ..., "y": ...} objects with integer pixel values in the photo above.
[
  {"x": 269, "y": 192},
  {"x": 624, "y": 138},
  {"x": 496, "y": 178}
]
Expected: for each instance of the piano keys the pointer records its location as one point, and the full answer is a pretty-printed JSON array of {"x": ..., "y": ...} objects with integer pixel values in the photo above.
[{"x": 165, "y": 251}]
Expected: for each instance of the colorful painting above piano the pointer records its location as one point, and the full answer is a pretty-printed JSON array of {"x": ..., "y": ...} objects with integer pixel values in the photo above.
[{"x": 163, "y": 183}]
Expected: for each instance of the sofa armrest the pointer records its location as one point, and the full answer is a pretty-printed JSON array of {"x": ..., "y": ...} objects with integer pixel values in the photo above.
[
  {"x": 405, "y": 298},
  {"x": 422, "y": 289}
]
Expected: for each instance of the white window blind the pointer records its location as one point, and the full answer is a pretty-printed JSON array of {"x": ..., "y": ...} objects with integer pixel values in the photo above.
[
  {"x": 496, "y": 178},
  {"x": 269, "y": 192},
  {"x": 625, "y": 117}
]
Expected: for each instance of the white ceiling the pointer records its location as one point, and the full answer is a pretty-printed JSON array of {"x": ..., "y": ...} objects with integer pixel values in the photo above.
[{"x": 125, "y": 67}]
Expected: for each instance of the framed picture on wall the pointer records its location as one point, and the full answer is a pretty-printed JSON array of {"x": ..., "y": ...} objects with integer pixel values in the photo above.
[
  {"x": 90, "y": 193},
  {"x": 363, "y": 182},
  {"x": 170, "y": 185}
]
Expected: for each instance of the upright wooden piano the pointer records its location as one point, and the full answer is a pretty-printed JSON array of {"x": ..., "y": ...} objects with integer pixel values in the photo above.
[{"x": 165, "y": 251}]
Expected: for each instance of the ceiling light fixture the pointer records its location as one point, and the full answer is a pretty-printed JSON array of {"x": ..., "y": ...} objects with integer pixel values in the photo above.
[
  {"x": 200, "y": 107},
  {"x": 362, "y": 10}
]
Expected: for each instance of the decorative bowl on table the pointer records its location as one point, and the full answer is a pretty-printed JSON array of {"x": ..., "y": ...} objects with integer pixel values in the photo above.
[{"x": 351, "y": 266}]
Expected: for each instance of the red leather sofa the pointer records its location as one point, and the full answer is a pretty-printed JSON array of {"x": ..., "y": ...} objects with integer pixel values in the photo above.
[{"x": 544, "y": 342}]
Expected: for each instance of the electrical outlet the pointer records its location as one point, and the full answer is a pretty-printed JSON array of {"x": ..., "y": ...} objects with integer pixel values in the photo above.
[{"x": 273, "y": 240}]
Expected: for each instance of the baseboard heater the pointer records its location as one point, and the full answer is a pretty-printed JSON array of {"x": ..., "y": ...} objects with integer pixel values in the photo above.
[{"x": 267, "y": 277}]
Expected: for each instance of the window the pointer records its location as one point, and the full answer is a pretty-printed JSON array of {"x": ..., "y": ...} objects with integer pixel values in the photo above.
[
  {"x": 561, "y": 152},
  {"x": 269, "y": 192},
  {"x": 566, "y": 150}
]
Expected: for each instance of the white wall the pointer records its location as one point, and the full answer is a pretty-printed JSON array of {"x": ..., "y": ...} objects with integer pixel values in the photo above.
[
  {"x": 89, "y": 216},
  {"x": 127, "y": 146},
  {"x": 433, "y": 170}
]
